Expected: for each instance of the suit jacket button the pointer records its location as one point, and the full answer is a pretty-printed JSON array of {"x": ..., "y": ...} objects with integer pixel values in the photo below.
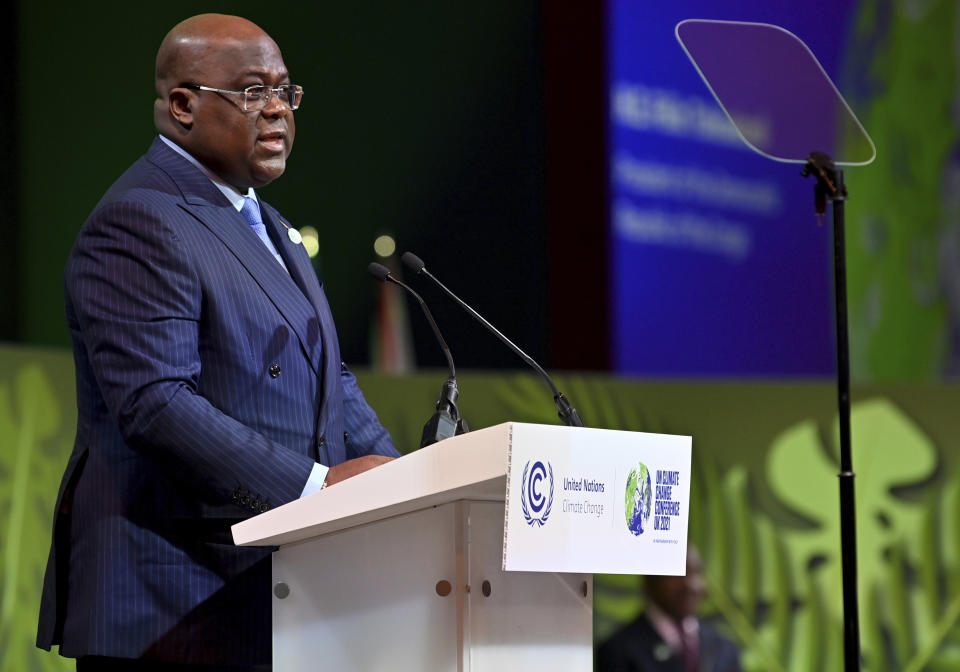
[
  {"x": 322, "y": 442},
  {"x": 274, "y": 370}
]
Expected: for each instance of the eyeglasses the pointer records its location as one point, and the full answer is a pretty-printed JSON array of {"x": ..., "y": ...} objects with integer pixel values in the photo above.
[{"x": 255, "y": 98}]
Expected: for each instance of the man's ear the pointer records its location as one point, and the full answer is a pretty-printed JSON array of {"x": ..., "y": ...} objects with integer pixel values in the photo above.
[{"x": 180, "y": 104}]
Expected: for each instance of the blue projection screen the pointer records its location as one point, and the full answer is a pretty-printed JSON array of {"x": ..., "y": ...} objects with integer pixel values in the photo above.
[{"x": 719, "y": 266}]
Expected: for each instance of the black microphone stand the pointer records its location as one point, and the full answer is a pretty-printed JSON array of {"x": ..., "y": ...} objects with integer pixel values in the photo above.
[
  {"x": 565, "y": 410},
  {"x": 830, "y": 187},
  {"x": 446, "y": 422}
]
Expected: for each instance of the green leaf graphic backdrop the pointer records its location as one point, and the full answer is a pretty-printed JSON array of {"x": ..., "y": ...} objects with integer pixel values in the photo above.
[
  {"x": 904, "y": 218},
  {"x": 763, "y": 502}
]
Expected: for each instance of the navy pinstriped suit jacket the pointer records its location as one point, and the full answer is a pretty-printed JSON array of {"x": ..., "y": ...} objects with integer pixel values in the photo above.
[{"x": 209, "y": 381}]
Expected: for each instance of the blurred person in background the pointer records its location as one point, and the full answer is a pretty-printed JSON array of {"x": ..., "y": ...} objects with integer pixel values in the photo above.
[{"x": 667, "y": 636}]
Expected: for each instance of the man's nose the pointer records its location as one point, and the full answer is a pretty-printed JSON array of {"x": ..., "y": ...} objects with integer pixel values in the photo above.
[{"x": 274, "y": 105}]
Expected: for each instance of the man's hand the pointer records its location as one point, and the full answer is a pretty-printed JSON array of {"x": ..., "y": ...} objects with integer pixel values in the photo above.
[{"x": 358, "y": 465}]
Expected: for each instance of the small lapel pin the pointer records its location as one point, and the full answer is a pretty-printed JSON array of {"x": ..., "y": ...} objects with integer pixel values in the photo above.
[{"x": 292, "y": 233}]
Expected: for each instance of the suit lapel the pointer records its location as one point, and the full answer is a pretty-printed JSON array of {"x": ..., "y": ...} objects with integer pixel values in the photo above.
[
  {"x": 208, "y": 205},
  {"x": 298, "y": 262},
  {"x": 294, "y": 254}
]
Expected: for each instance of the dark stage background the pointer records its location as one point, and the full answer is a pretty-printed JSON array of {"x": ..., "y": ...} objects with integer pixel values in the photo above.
[{"x": 429, "y": 121}]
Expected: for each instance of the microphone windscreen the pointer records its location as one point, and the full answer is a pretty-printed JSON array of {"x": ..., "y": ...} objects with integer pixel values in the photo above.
[
  {"x": 412, "y": 261},
  {"x": 379, "y": 271}
]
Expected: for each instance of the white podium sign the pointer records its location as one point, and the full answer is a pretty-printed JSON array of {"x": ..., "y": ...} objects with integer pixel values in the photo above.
[{"x": 599, "y": 501}]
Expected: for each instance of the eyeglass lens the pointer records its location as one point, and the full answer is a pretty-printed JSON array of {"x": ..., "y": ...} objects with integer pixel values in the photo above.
[{"x": 257, "y": 97}]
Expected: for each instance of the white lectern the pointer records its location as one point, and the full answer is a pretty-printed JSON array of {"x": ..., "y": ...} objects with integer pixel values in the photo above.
[{"x": 400, "y": 568}]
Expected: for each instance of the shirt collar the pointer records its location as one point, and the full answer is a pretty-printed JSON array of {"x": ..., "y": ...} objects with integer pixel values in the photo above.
[{"x": 235, "y": 197}]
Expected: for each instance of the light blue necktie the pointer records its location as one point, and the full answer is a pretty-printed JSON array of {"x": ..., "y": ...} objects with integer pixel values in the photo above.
[{"x": 251, "y": 213}]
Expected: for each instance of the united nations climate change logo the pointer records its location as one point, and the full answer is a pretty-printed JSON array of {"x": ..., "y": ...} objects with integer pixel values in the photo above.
[
  {"x": 536, "y": 507},
  {"x": 639, "y": 495}
]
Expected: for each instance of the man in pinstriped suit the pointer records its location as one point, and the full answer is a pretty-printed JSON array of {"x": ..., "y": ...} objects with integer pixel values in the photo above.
[{"x": 209, "y": 380}]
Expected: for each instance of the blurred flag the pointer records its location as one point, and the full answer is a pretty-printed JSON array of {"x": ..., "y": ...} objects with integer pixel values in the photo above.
[{"x": 391, "y": 343}]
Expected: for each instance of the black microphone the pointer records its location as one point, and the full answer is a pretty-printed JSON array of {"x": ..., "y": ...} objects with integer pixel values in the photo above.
[
  {"x": 565, "y": 410},
  {"x": 446, "y": 422}
]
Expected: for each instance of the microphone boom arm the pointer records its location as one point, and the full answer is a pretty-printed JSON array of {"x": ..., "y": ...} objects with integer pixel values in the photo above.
[
  {"x": 568, "y": 414},
  {"x": 446, "y": 422}
]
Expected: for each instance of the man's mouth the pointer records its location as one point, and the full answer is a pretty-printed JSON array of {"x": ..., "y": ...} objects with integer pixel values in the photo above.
[{"x": 272, "y": 141}]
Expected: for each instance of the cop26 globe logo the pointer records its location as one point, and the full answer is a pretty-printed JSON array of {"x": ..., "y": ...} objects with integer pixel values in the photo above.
[
  {"x": 535, "y": 504},
  {"x": 638, "y": 499}
]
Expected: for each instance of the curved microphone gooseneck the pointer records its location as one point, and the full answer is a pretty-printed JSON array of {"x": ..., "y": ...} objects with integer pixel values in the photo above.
[
  {"x": 568, "y": 414},
  {"x": 446, "y": 422}
]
